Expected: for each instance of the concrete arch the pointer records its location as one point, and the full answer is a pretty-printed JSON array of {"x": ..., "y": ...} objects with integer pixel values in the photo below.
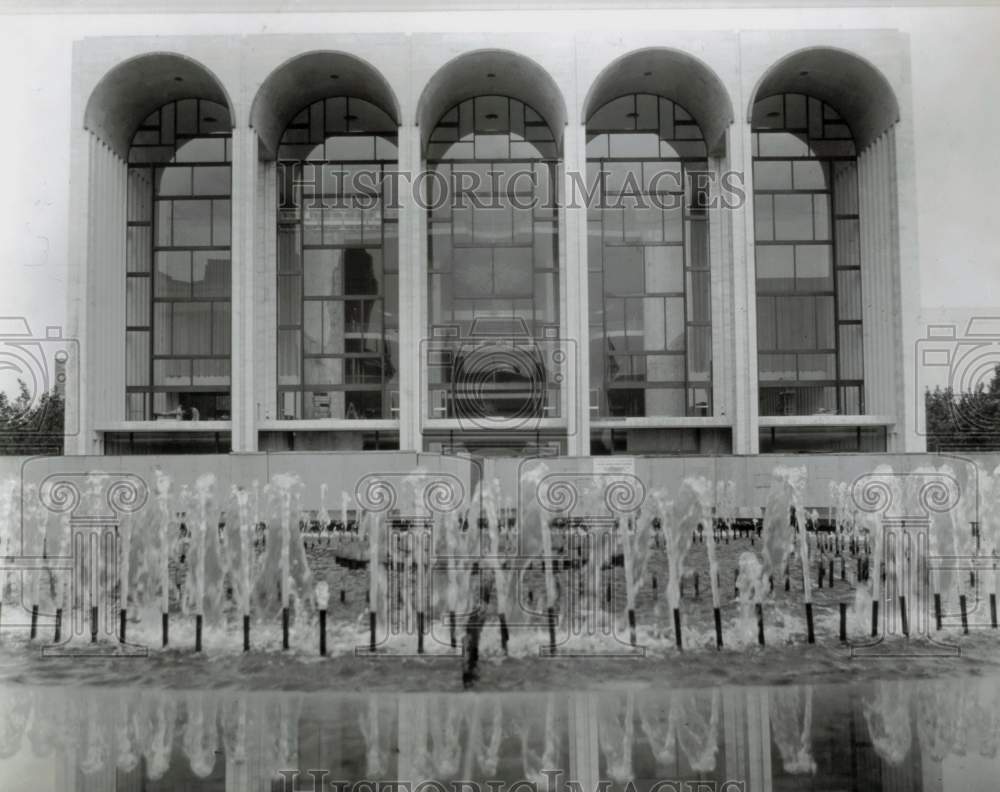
[
  {"x": 136, "y": 87},
  {"x": 674, "y": 75},
  {"x": 485, "y": 72},
  {"x": 307, "y": 78},
  {"x": 853, "y": 86}
]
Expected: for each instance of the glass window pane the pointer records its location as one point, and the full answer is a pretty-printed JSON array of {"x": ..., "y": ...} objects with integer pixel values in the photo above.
[
  {"x": 139, "y": 195},
  {"x": 848, "y": 244},
  {"x": 173, "y": 274},
  {"x": 324, "y": 371},
  {"x": 473, "y": 276},
  {"x": 332, "y": 330},
  {"x": 289, "y": 357},
  {"x": 675, "y": 324},
  {"x": 192, "y": 223},
  {"x": 796, "y": 323},
  {"x": 322, "y": 272},
  {"x": 136, "y": 358},
  {"x": 222, "y": 324},
  {"x": 172, "y": 373},
  {"x": 849, "y": 294},
  {"x": 851, "y": 352},
  {"x": 699, "y": 293},
  {"x": 138, "y": 247},
  {"x": 137, "y": 301},
  {"x": 512, "y": 272},
  {"x": 700, "y": 353},
  {"x": 763, "y": 213},
  {"x": 664, "y": 269},
  {"x": 775, "y": 268},
  {"x": 546, "y": 245},
  {"x": 312, "y": 327},
  {"x": 205, "y": 373},
  {"x": 201, "y": 150},
  {"x": 810, "y": 175},
  {"x": 821, "y": 216},
  {"x": 777, "y": 368},
  {"x": 172, "y": 181},
  {"x": 817, "y": 367},
  {"x": 653, "y": 324},
  {"x": 163, "y": 327},
  {"x": 767, "y": 338},
  {"x": 793, "y": 217},
  {"x": 623, "y": 270},
  {"x": 643, "y": 224},
  {"x": 164, "y": 222},
  {"x": 782, "y": 144},
  {"x": 813, "y": 268},
  {"x": 210, "y": 274},
  {"x": 772, "y": 175},
  {"x": 825, "y": 323},
  {"x": 665, "y": 368},
  {"x": 211, "y": 180},
  {"x": 221, "y": 223},
  {"x": 289, "y": 300},
  {"x": 192, "y": 328}
]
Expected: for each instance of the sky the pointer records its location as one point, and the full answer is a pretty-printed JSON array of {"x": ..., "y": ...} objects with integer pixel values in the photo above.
[{"x": 955, "y": 61}]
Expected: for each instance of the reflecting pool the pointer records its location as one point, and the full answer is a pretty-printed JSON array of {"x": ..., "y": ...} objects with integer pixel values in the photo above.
[{"x": 929, "y": 734}]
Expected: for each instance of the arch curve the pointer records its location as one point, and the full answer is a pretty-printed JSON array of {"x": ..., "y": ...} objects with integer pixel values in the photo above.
[
  {"x": 853, "y": 86},
  {"x": 136, "y": 87},
  {"x": 491, "y": 72},
  {"x": 309, "y": 77},
  {"x": 674, "y": 75}
]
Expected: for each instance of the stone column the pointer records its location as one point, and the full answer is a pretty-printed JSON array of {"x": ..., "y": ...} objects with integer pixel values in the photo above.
[
  {"x": 743, "y": 305},
  {"x": 412, "y": 290},
  {"x": 575, "y": 391},
  {"x": 887, "y": 391},
  {"x": 101, "y": 323},
  {"x": 245, "y": 166},
  {"x": 77, "y": 313}
]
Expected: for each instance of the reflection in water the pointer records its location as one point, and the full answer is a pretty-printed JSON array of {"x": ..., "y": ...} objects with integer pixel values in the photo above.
[{"x": 888, "y": 735}]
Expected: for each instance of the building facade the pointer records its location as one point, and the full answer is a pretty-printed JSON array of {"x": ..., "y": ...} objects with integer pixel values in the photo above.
[{"x": 498, "y": 244}]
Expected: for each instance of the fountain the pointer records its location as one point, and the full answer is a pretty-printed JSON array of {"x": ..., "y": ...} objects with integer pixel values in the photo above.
[{"x": 680, "y": 519}]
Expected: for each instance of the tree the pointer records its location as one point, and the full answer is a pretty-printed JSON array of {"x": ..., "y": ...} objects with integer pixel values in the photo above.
[
  {"x": 964, "y": 421},
  {"x": 31, "y": 427}
]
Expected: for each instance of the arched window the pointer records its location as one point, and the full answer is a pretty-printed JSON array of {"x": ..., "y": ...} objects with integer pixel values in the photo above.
[
  {"x": 809, "y": 334},
  {"x": 338, "y": 274},
  {"x": 493, "y": 263},
  {"x": 178, "y": 264},
  {"x": 648, "y": 260}
]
